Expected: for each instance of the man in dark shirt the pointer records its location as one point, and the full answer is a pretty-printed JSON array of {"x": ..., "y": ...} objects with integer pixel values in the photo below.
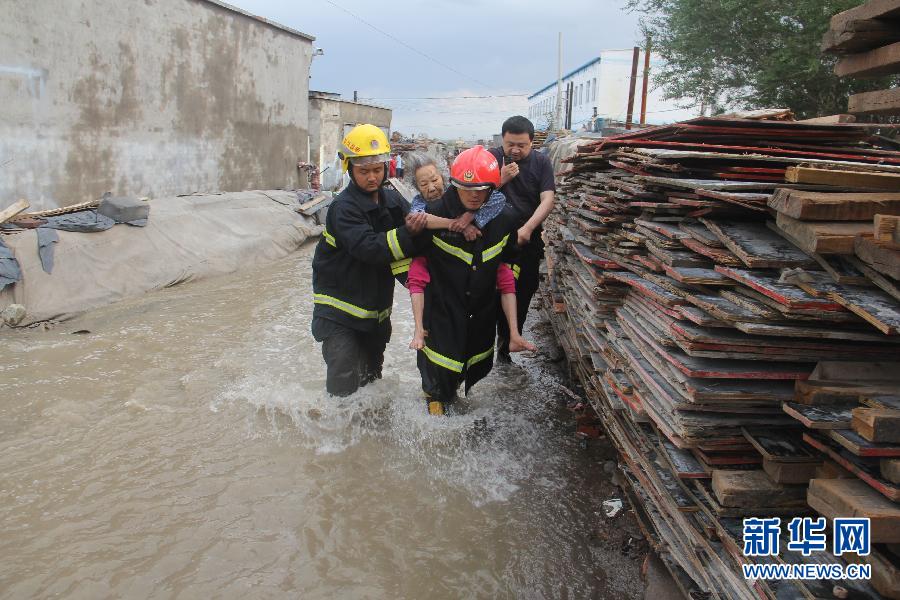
[{"x": 526, "y": 178}]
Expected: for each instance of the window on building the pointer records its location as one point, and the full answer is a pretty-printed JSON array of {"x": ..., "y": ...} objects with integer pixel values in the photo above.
[{"x": 594, "y": 85}]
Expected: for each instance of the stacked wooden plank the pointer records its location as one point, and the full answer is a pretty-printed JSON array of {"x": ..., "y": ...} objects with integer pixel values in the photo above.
[
  {"x": 690, "y": 319},
  {"x": 868, "y": 40}
]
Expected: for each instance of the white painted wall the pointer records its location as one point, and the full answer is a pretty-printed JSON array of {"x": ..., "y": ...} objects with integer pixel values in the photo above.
[{"x": 612, "y": 73}]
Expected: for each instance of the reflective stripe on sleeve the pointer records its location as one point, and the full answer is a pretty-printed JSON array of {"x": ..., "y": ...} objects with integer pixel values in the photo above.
[
  {"x": 400, "y": 266},
  {"x": 329, "y": 238},
  {"x": 394, "y": 244}
]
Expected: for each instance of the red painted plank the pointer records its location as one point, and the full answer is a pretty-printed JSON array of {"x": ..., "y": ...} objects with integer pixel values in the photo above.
[{"x": 783, "y": 293}]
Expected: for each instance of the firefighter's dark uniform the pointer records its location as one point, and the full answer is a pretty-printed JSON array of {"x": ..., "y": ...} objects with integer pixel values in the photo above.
[
  {"x": 364, "y": 246},
  {"x": 461, "y": 300}
]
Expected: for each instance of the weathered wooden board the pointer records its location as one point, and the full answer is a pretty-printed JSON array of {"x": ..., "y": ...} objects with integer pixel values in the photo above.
[
  {"x": 830, "y": 119},
  {"x": 884, "y": 257},
  {"x": 675, "y": 258},
  {"x": 866, "y": 470},
  {"x": 665, "y": 229},
  {"x": 705, "y": 492},
  {"x": 657, "y": 293},
  {"x": 682, "y": 462},
  {"x": 853, "y": 498},
  {"x": 783, "y": 293},
  {"x": 698, "y": 276},
  {"x": 890, "y": 469},
  {"x": 876, "y": 400},
  {"x": 843, "y": 269},
  {"x": 784, "y": 446},
  {"x": 880, "y": 425},
  {"x": 718, "y": 255},
  {"x": 859, "y": 446},
  {"x": 741, "y": 297},
  {"x": 887, "y": 228},
  {"x": 800, "y": 315},
  {"x": 725, "y": 310},
  {"x": 822, "y": 237},
  {"x": 857, "y": 35},
  {"x": 693, "y": 337},
  {"x": 873, "y": 305},
  {"x": 716, "y": 368},
  {"x": 708, "y": 184},
  {"x": 790, "y": 473},
  {"x": 844, "y": 178},
  {"x": 756, "y": 245},
  {"x": 821, "y": 206},
  {"x": 873, "y": 63},
  {"x": 11, "y": 211},
  {"x": 883, "y": 102},
  {"x": 731, "y": 459},
  {"x": 699, "y": 232},
  {"x": 821, "y": 417},
  {"x": 823, "y": 333},
  {"x": 885, "y": 570},
  {"x": 700, "y": 317},
  {"x": 831, "y": 470},
  {"x": 748, "y": 489}
]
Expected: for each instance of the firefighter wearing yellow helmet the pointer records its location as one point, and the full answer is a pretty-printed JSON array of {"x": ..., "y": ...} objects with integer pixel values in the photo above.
[{"x": 368, "y": 240}]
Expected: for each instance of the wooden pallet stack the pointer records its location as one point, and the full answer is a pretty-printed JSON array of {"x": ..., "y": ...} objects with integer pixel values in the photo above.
[
  {"x": 867, "y": 38},
  {"x": 689, "y": 319}
]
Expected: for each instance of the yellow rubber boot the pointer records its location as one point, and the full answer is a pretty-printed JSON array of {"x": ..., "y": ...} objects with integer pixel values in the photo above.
[{"x": 435, "y": 407}]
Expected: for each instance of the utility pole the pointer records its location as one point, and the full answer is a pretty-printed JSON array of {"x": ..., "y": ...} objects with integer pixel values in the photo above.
[
  {"x": 632, "y": 84},
  {"x": 646, "y": 82},
  {"x": 557, "y": 121}
]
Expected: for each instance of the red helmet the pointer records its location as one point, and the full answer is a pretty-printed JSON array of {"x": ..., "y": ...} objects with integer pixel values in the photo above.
[{"x": 475, "y": 169}]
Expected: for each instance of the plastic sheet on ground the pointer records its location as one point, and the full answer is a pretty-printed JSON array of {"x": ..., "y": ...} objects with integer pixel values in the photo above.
[{"x": 186, "y": 238}]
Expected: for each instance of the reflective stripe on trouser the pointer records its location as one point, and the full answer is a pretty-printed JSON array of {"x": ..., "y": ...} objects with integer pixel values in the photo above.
[
  {"x": 454, "y": 365},
  {"x": 351, "y": 309}
]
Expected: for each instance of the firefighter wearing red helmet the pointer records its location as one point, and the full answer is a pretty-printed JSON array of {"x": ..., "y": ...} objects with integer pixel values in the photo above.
[{"x": 461, "y": 298}]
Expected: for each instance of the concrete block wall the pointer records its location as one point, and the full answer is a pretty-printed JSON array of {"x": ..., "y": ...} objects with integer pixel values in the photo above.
[{"x": 148, "y": 98}]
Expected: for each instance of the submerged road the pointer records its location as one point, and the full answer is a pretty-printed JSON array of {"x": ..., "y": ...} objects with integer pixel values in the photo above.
[{"x": 181, "y": 445}]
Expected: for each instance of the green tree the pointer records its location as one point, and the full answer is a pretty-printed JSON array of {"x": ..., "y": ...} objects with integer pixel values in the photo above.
[{"x": 749, "y": 54}]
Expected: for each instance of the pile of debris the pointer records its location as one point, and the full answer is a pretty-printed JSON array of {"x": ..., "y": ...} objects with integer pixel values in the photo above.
[{"x": 735, "y": 345}]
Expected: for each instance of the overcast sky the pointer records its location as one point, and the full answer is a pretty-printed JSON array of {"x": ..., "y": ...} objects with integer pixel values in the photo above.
[{"x": 495, "y": 47}]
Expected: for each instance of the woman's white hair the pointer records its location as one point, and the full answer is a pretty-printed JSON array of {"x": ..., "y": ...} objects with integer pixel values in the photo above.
[{"x": 413, "y": 161}]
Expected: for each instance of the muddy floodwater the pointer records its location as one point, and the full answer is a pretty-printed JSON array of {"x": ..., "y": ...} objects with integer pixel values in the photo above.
[{"x": 180, "y": 445}]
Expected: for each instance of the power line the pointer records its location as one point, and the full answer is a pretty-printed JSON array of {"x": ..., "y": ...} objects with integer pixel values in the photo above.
[{"x": 405, "y": 45}]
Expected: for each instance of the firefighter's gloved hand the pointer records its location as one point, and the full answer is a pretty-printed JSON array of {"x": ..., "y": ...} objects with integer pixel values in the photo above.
[
  {"x": 415, "y": 222},
  {"x": 519, "y": 344}
]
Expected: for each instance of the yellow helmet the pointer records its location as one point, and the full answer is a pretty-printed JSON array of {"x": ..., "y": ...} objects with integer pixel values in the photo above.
[{"x": 364, "y": 144}]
